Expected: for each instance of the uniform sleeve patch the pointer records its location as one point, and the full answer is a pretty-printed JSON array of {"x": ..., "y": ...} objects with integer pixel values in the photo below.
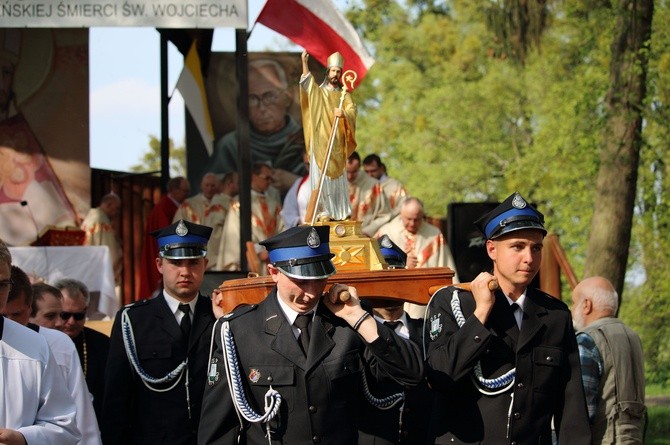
[
  {"x": 214, "y": 372},
  {"x": 435, "y": 325}
]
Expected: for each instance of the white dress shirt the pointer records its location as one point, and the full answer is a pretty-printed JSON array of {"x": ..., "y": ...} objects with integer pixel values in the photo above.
[
  {"x": 33, "y": 396},
  {"x": 173, "y": 304},
  {"x": 67, "y": 358},
  {"x": 518, "y": 314}
]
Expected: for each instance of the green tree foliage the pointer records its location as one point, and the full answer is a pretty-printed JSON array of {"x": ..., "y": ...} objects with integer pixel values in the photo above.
[
  {"x": 440, "y": 101},
  {"x": 151, "y": 159},
  {"x": 456, "y": 119}
]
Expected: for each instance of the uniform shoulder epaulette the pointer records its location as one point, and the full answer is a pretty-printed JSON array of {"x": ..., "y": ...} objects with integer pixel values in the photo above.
[
  {"x": 447, "y": 288},
  {"x": 549, "y": 301},
  {"x": 239, "y": 312},
  {"x": 134, "y": 304}
]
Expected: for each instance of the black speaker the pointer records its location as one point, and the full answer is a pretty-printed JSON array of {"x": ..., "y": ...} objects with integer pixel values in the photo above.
[{"x": 466, "y": 242}]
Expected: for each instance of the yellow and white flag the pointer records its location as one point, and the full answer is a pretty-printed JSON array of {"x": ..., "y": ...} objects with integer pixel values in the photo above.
[{"x": 191, "y": 86}]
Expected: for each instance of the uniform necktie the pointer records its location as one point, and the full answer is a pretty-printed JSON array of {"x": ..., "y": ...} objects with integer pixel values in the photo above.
[
  {"x": 515, "y": 307},
  {"x": 393, "y": 324},
  {"x": 303, "y": 322},
  {"x": 185, "y": 324}
]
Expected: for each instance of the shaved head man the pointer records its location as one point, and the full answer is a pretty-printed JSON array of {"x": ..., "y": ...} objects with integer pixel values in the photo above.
[{"x": 612, "y": 364}]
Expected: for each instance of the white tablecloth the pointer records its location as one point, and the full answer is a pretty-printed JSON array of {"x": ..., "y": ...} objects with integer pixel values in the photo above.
[{"x": 90, "y": 264}]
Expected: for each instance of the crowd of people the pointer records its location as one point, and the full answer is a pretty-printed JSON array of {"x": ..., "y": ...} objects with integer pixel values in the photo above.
[{"x": 497, "y": 361}]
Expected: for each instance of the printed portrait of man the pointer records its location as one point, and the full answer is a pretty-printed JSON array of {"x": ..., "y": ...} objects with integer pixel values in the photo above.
[
  {"x": 275, "y": 128},
  {"x": 44, "y": 172}
]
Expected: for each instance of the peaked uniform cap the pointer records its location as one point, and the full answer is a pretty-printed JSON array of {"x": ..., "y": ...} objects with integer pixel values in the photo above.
[
  {"x": 511, "y": 215},
  {"x": 302, "y": 252},
  {"x": 393, "y": 255},
  {"x": 182, "y": 240}
]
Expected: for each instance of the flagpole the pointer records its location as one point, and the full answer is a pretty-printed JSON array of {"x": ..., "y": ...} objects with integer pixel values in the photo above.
[
  {"x": 256, "y": 21},
  {"x": 251, "y": 30},
  {"x": 244, "y": 151},
  {"x": 165, "y": 134}
]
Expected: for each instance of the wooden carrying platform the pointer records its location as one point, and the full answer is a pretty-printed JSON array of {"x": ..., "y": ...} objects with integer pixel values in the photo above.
[{"x": 412, "y": 285}]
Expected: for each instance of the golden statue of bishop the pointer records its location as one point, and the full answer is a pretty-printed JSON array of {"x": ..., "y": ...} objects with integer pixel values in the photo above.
[{"x": 329, "y": 124}]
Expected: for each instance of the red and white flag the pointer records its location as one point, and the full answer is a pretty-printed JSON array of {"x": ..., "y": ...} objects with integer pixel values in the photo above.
[{"x": 319, "y": 28}]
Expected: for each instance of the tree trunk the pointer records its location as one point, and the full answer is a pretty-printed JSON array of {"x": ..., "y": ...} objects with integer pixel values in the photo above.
[{"x": 617, "y": 176}]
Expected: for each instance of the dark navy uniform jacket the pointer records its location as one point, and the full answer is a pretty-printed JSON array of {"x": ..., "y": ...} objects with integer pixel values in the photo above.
[
  {"x": 383, "y": 427},
  {"x": 95, "y": 360},
  {"x": 132, "y": 413},
  {"x": 548, "y": 377},
  {"x": 320, "y": 393}
]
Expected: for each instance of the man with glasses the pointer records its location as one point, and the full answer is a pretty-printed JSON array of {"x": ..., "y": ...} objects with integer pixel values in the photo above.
[
  {"x": 18, "y": 309},
  {"x": 266, "y": 220},
  {"x": 274, "y": 136},
  {"x": 91, "y": 345},
  {"x": 35, "y": 407},
  {"x": 6, "y": 286}
]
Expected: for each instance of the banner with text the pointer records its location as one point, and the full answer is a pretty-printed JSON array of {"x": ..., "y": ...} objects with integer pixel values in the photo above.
[{"x": 150, "y": 13}]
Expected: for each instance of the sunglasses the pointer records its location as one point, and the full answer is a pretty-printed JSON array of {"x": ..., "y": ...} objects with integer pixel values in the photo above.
[{"x": 78, "y": 316}]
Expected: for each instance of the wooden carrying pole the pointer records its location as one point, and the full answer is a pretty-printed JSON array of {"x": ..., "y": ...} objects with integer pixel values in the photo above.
[{"x": 380, "y": 285}]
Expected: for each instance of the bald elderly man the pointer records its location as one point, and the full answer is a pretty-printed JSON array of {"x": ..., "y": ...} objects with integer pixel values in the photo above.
[{"x": 612, "y": 364}]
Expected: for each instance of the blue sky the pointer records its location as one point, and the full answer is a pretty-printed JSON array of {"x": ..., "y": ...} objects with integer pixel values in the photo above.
[{"x": 125, "y": 87}]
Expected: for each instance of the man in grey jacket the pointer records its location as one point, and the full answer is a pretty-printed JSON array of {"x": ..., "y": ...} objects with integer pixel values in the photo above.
[{"x": 612, "y": 364}]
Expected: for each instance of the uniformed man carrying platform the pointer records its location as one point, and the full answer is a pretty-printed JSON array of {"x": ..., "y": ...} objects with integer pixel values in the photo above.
[
  {"x": 159, "y": 349},
  {"x": 390, "y": 413},
  {"x": 504, "y": 361},
  {"x": 298, "y": 381}
]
